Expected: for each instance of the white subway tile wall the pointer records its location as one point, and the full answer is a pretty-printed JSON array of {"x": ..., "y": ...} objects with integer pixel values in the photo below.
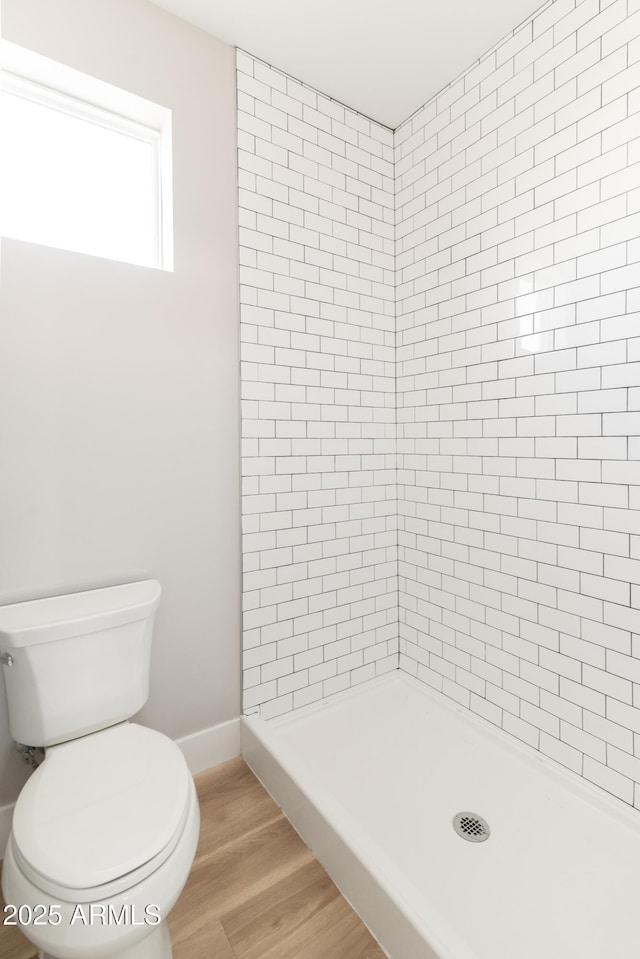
[
  {"x": 492, "y": 372},
  {"x": 518, "y": 350},
  {"x": 320, "y": 588}
]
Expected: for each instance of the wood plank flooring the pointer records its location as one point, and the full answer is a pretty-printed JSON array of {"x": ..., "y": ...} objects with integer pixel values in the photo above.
[{"x": 255, "y": 891}]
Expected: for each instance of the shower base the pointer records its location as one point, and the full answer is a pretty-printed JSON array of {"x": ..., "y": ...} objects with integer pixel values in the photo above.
[{"x": 372, "y": 780}]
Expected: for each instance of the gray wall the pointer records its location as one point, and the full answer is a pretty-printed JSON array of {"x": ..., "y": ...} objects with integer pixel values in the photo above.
[{"x": 118, "y": 385}]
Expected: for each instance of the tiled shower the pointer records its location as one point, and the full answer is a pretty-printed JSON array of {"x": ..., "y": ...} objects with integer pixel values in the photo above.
[
  {"x": 441, "y": 390},
  {"x": 317, "y": 292}
]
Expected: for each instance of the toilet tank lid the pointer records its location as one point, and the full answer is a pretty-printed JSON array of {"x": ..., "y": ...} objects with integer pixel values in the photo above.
[{"x": 57, "y": 617}]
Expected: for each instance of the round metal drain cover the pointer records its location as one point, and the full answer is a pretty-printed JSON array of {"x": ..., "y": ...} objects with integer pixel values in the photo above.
[{"x": 471, "y": 827}]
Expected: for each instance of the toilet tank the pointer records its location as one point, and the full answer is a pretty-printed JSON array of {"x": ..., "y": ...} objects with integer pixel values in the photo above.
[{"x": 79, "y": 662}]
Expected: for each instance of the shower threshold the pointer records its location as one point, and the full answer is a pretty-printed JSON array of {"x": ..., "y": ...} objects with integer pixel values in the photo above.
[{"x": 372, "y": 779}]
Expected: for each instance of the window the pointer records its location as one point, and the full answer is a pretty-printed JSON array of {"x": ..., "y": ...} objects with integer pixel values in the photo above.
[{"x": 84, "y": 166}]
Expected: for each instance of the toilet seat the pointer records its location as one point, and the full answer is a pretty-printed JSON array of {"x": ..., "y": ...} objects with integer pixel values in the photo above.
[{"x": 102, "y": 813}]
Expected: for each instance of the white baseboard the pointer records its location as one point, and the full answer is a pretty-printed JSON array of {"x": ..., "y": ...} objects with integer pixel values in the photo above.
[
  {"x": 210, "y": 747},
  {"x": 202, "y": 750}
]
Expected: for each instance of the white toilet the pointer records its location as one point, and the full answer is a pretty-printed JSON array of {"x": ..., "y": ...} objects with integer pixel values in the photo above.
[{"x": 105, "y": 830}]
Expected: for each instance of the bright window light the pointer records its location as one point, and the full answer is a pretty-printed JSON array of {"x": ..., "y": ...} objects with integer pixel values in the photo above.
[{"x": 77, "y": 175}]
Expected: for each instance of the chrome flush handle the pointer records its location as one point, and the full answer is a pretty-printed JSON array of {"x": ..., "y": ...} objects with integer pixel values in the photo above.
[{"x": 6, "y": 659}]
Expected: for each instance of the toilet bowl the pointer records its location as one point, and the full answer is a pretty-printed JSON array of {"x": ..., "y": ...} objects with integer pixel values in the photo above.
[
  {"x": 104, "y": 834},
  {"x": 105, "y": 831}
]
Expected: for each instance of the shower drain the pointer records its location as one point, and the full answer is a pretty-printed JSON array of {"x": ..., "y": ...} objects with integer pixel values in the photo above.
[{"x": 471, "y": 827}]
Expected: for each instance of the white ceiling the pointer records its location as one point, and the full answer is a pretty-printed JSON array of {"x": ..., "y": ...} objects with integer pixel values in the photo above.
[{"x": 384, "y": 58}]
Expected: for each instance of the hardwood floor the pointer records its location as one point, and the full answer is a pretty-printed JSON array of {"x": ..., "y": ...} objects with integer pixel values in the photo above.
[{"x": 255, "y": 891}]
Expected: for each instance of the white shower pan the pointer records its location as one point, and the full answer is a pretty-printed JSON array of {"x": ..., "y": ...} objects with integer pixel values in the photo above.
[{"x": 372, "y": 779}]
